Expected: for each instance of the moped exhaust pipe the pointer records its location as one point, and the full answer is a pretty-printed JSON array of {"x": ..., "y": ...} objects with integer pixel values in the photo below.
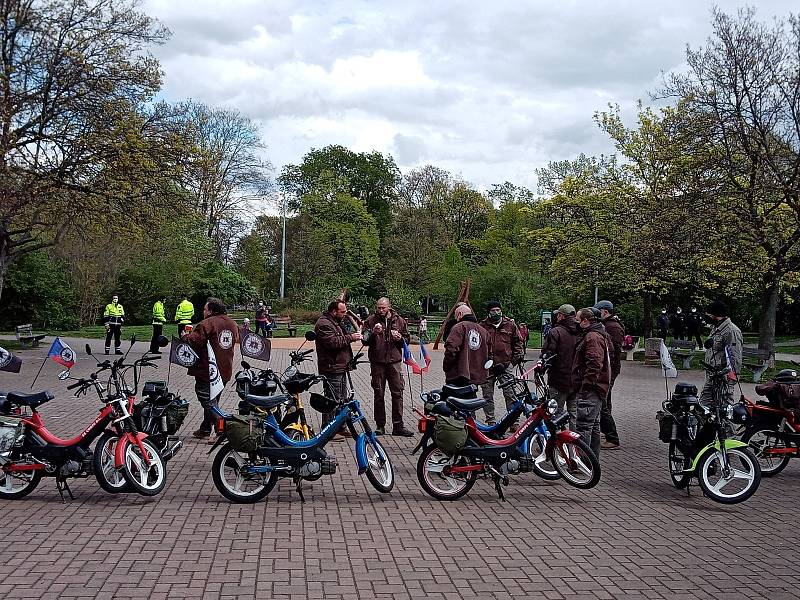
[{"x": 173, "y": 449}]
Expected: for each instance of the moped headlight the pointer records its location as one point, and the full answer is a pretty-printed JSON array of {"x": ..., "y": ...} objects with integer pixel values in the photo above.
[
  {"x": 729, "y": 412},
  {"x": 551, "y": 407}
]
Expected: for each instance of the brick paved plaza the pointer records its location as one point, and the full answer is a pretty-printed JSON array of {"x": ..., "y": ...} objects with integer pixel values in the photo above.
[{"x": 633, "y": 536}]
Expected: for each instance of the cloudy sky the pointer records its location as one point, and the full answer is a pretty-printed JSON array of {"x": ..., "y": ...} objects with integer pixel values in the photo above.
[{"x": 487, "y": 90}]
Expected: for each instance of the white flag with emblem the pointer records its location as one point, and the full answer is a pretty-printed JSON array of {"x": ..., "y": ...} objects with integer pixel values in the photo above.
[
  {"x": 214, "y": 379},
  {"x": 666, "y": 362}
]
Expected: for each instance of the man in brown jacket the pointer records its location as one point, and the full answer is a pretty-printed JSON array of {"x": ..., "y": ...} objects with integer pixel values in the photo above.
[
  {"x": 384, "y": 332},
  {"x": 560, "y": 341},
  {"x": 334, "y": 353},
  {"x": 465, "y": 351},
  {"x": 505, "y": 347},
  {"x": 591, "y": 375},
  {"x": 222, "y": 333},
  {"x": 616, "y": 333}
]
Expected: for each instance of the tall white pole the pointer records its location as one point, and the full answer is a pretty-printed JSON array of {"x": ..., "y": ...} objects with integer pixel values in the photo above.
[{"x": 283, "y": 248}]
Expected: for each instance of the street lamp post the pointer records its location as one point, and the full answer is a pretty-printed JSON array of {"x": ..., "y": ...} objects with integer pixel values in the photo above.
[{"x": 283, "y": 246}]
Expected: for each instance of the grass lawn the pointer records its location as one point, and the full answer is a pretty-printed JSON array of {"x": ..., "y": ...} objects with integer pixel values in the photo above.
[{"x": 746, "y": 376}]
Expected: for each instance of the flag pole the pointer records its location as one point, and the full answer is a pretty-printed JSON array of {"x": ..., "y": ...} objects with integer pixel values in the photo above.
[
  {"x": 169, "y": 362},
  {"x": 40, "y": 370}
]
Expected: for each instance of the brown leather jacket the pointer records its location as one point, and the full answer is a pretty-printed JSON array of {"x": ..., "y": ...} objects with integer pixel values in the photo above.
[
  {"x": 333, "y": 345},
  {"x": 504, "y": 340},
  {"x": 561, "y": 341},
  {"x": 616, "y": 331},
  {"x": 223, "y": 334},
  {"x": 382, "y": 348},
  {"x": 466, "y": 352},
  {"x": 591, "y": 369}
]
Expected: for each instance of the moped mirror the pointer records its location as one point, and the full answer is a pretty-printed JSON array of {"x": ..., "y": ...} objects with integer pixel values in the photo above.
[
  {"x": 64, "y": 375},
  {"x": 245, "y": 365},
  {"x": 88, "y": 349},
  {"x": 488, "y": 364},
  {"x": 163, "y": 341},
  {"x": 310, "y": 336}
]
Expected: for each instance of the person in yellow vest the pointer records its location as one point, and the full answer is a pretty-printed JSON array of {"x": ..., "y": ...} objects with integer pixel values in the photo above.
[
  {"x": 184, "y": 314},
  {"x": 113, "y": 316},
  {"x": 159, "y": 318}
]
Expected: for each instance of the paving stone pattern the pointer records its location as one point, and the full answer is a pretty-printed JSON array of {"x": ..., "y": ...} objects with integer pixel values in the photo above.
[{"x": 633, "y": 536}]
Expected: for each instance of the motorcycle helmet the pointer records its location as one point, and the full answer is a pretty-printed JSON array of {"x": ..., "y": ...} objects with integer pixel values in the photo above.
[
  {"x": 789, "y": 376},
  {"x": 738, "y": 414}
]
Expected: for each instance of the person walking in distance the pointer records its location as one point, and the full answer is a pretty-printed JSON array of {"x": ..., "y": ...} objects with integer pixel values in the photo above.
[
  {"x": 262, "y": 318},
  {"x": 465, "y": 351},
  {"x": 184, "y": 314},
  {"x": 159, "y": 318},
  {"x": 505, "y": 347},
  {"x": 384, "y": 332},
  {"x": 334, "y": 354},
  {"x": 694, "y": 324},
  {"x": 560, "y": 343},
  {"x": 219, "y": 331},
  {"x": 662, "y": 322},
  {"x": 591, "y": 376},
  {"x": 524, "y": 333},
  {"x": 678, "y": 324},
  {"x": 616, "y": 334},
  {"x": 113, "y": 317}
]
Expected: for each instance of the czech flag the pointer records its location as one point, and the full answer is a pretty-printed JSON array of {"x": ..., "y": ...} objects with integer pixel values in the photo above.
[
  {"x": 62, "y": 353},
  {"x": 732, "y": 375},
  {"x": 424, "y": 358},
  {"x": 408, "y": 358}
]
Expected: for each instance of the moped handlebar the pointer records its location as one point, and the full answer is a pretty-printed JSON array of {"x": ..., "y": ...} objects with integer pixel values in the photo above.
[{"x": 81, "y": 382}]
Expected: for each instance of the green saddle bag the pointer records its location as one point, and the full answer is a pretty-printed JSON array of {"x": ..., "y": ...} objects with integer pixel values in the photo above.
[{"x": 450, "y": 434}]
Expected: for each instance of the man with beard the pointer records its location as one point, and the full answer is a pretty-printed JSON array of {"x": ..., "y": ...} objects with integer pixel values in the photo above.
[
  {"x": 560, "y": 342},
  {"x": 505, "y": 348},
  {"x": 591, "y": 375},
  {"x": 723, "y": 347}
]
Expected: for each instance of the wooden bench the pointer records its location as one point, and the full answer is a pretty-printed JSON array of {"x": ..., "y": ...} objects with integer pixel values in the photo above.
[
  {"x": 285, "y": 322},
  {"x": 26, "y": 337},
  {"x": 756, "y": 360},
  {"x": 683, "y": 349}
]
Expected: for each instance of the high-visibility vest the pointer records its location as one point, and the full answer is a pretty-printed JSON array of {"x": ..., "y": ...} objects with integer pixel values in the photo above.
[
  {"x": 184, "y": 313},
  {"x": 159, "y": 318},
  {"x": 114, "y": 313}
]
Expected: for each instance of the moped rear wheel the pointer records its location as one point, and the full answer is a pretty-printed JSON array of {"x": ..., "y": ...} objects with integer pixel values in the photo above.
[
  {"x": 434, "y": 479},
  {"x": 678, "y": 463},
  {"x": 575, "y": 462},
  {"x": 108, "y": 476},
  {"x": 234, "y": 482},
  {"x": 147, "y": 477},
  {"x": 18, "y": 484},
  {"x": 760, "y": 440}
]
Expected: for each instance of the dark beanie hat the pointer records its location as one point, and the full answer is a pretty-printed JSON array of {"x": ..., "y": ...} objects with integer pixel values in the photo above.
[
  {"x": 492, "y": 304},
  {"x": 718, "y": 309}
]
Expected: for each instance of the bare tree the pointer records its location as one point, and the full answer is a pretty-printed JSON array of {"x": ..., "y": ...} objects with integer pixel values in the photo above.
[{"x": 746, "y": 83}]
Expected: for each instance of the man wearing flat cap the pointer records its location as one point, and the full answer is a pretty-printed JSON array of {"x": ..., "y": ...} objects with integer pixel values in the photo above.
[
  {"x": 560, "y": 342},
  {"x": 723, "y": 346},
  {"x": 505, "y": 347}
]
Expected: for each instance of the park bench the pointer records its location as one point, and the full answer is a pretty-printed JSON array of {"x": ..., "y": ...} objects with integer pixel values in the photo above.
[
  {"x": 756, "y": 360},
  {"x": 26, "y": 337},
  {"x": 286, "y": 322},
  {"x": 630, "y": 350},
  {"x": 682, "y": 349}
]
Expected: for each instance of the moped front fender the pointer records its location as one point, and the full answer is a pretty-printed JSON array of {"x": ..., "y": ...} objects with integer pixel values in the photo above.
[
  {"x": 565, "y": 435},
  {"x": 729, "y": 443},
  {"x": 122, "y": 445},
  {"x": 361, "y": 453}
]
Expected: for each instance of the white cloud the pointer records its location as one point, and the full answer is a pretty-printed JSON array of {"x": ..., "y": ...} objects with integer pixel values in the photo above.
[{"x": 491, "y": 91}]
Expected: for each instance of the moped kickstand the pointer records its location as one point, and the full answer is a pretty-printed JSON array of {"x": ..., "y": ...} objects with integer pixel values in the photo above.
[
  {"x": 299, "y": 488},
  {"x": 62, "y": 486}
]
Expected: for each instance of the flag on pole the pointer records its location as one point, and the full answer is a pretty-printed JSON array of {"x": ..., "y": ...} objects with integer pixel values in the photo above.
[
  {"x": 214, "y": 378},
  {"x": 732, "y": 374},
  {"x": 424, "y": 357},
  {"x": 9, "y": 362},
  {"x": 666, "y": 362},
  {"x": 255, "y": 346},
  {"x": 181, "y": 353},
  {"x": 408, "y": 358},
  {"x": 62, "y": 353}
]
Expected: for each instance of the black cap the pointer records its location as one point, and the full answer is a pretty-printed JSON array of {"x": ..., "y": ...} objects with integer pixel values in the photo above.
[
  {"x": 718, "y": 308},
  {"x": 492, "y": 304}
]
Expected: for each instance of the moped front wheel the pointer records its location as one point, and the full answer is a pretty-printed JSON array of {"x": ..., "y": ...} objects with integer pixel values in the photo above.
[
  {"x": 541, "y": 464},
  {"x": 18, "y": 484},
  {"x": 231, "y": 477},
  {"x": 106, "y": 472},
  {"x": 434, "y": 476},
  {"x": 380, "y": 472},
  {"x": 737, "y": 484},
  {"x": 575, "y": 462},
  {"x": 147, "y": 476}
]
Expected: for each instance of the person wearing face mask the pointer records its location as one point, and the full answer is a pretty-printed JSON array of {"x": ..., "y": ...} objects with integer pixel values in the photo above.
[
  {"x": 505, "y": 347},
  {"x": 591, "y": 375},
  {"x": 694, "y": 324},
  {"x": 334, "y": 354},
  {"x": 113, "y": 316},
  {"x": 723, "y": 347}
]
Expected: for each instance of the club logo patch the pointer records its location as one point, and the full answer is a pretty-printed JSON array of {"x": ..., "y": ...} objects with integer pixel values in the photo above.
[
  {"x": 474, "y": 339},
  {"x": 5, "y": 357},
  {"x": 225, "y": 339},
  {"x": 67, "y": 355},
  {"x": 213, "y": 372},
  {"x": 185, "y": 355},
  {"x": 254, "y": 345}
]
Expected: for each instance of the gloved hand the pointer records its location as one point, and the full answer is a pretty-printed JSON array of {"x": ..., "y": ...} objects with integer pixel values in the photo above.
[{"x": 108, "y": 327}]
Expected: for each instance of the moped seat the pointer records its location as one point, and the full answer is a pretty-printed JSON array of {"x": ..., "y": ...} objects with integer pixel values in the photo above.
[
  {"x": 466, "y": 404},
  {"x": 459, "y": 391},
  {"x": 32, "y": 400},
  {"x": 267, "y": 402}
]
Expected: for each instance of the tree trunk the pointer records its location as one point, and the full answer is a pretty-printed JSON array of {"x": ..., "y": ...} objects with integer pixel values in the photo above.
[
  {"x": 647, "y": 315},
  {"x": 769, "y": 308}
]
